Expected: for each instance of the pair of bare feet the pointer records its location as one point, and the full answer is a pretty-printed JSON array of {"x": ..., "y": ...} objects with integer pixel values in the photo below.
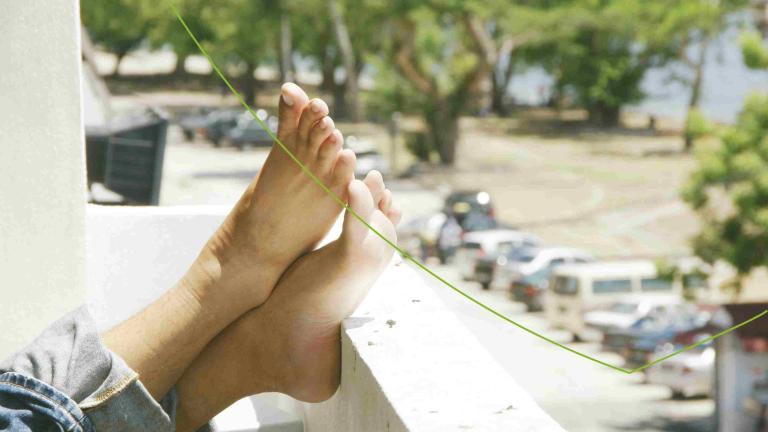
[{"x": 290, "y": 299}]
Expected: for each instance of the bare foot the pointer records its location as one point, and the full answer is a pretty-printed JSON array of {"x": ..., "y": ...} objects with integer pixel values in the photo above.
[
  {"x": 291, "y": 344},
  {"x": 283, "y": 213}
]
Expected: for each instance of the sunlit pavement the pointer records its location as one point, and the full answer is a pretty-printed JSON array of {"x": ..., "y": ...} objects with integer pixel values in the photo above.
[{"x": 579, "y": 394}]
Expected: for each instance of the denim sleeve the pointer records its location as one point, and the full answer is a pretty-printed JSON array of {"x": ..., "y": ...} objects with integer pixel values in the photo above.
[{"x": 69, "y": 362}]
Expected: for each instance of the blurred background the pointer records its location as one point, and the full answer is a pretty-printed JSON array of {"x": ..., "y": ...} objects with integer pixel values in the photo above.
[{"x": 594, "y": 169}]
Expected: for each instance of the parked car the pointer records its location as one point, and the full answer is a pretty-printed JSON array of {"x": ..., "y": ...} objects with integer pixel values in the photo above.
[
  {"x": 530, "y": 289},
  {"x": 658, "y": 336},
  {"x": 490, "y": 243},
  {"x": 623, "y": 314},
  {"x": 218, "y": 123},
  {"x": 453, "y": 230},
  {"x": 581, "y": 287},
  {"x": 191, "y": 123},
  {"x": 461, "y": 204},
  {"x": 249, "y": 133},
  {"x": 626, "y": 321},
  {"x": 687, "y": 374},
  {"x": 529, "y": 261}
]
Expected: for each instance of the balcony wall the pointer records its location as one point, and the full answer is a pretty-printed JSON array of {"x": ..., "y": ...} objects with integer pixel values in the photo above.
[
  {"x": 42, "y": 169},
  {"x": 408, "y": 363}
]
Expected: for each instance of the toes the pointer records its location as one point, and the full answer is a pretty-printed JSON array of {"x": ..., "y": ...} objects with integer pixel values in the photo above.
[
  {"x": 329, "y": 150},
  {"x": 344, "y": 170},
  {"x": 361, "y": 202},
  {"x": 292, "y": 100},
  {"x": 319, "y": 132},
  {"x": 312, "y": 112},
  {"x": 375, "y": 183},
  {"x": 394, "y": 214},
  {"x": 386, "y": 201}
]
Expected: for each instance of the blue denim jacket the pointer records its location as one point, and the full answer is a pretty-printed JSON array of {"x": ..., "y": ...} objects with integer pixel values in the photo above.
[{"x": 66, "y": 380}]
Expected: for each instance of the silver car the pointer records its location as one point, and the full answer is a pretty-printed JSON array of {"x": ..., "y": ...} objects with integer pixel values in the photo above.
[
  {"x": 686, "y": 374},
  {"x": 479, "y": 244}
]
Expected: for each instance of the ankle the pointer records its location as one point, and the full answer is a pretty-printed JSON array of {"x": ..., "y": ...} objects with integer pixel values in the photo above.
[{"x": 229, "y": 286}]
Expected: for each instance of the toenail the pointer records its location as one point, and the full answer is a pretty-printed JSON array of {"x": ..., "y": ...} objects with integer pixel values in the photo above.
[
  {"x": 316, "y": 106},
  {"x": 287, "y": 99},
  {"x": 324, "y": 123}
]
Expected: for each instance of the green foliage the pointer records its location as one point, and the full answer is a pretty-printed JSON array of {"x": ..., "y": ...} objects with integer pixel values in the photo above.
[
  {"x": 599, "y": 51},
  {"x": 729, "y": 190},
  {"x": 199, "y": 16},
  {"x": 755, "y": 54},
  {"x": 696, "y": 125},
  {"x": 118, "y": 25}
]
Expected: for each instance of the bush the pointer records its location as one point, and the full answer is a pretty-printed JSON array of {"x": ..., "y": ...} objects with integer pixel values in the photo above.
[{"x": 696, "y": 125}]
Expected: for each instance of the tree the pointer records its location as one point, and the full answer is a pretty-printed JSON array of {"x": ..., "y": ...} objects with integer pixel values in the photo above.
[
  {"x": 118, "y": 26},
  {"x": 512, "y": 27},
  {"x": 344, "y": 42},
  {"x": 755, "y": 54},
  {"x": 440, "y": 50},
  {"x": 599, "y": 51},
  {"x": 244, "y": 37},
  {"x": 199, "y": 16},
  {"x": 729, "y": 190},
  {"x": 692, "y": 26}
]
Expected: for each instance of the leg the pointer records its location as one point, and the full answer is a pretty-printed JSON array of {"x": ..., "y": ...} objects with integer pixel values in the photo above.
[
  {"x": 291, "y": 343},
  {"x": 237, "y": 269}
]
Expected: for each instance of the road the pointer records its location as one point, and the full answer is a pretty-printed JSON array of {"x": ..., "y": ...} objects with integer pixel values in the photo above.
[{"x": 581, "y": 395}]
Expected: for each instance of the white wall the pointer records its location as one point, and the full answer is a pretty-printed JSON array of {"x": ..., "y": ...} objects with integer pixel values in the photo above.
[
  {"x": 409, "y": 364},
  {"x": 42, "y": 174}
]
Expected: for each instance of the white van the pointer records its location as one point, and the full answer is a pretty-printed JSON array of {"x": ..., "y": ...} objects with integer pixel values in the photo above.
[{"x": 578, "y": 288}]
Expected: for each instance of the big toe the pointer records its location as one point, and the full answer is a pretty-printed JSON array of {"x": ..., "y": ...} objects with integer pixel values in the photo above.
[
  {"x": 360, "y": 207},
  {"x": 292, "y": 101}
]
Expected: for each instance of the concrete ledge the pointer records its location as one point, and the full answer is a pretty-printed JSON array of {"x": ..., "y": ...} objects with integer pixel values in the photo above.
[{"x": 409, "y": 364}]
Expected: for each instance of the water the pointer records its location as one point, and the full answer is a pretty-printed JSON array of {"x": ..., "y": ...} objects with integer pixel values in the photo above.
[{"x": 726, "y": 84}]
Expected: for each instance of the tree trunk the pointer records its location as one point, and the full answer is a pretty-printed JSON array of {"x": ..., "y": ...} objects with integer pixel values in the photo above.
[
  {"x": 444, "y": 131},
  {"x": 351, "y": 96},
  {"x": 500, "y": 85},
  {"x": 497, "y": 95},
  {"x": 693, "y": 102},
  {"x": 500, "y": 80},
  {"x": 604, "y": 115},
  {"x": 120, "y": 55},
  {"x": 329, "y": 69},
  {"x": 340, "y": 106},
  {"x": 285, "y": 49},
  {"x": 178, "y": 69},
  {"x": 249, "y": 83}
]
